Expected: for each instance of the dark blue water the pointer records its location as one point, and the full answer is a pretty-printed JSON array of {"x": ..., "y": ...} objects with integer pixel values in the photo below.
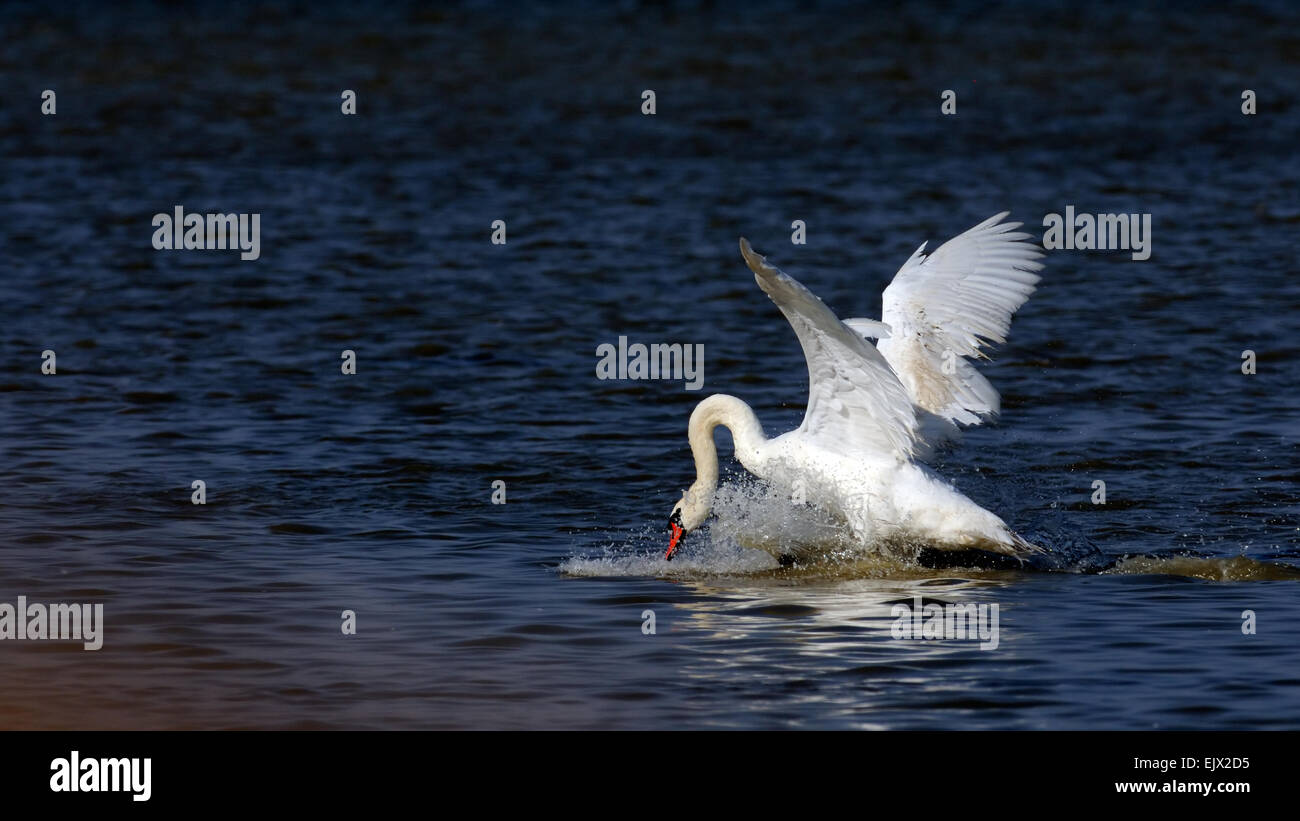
[{"x": 476, "y": 362}]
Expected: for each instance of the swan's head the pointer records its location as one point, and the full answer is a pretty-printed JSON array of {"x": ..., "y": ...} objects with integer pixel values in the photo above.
[{"x": 689, "y": 513}]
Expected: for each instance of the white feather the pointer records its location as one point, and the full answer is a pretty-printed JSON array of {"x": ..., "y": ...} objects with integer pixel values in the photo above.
[
  {"x": 854, "y": 399},
  {"x": 942, "y": 308}
]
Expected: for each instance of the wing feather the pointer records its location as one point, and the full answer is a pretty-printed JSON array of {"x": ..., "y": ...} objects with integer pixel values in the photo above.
[
  {"x": 855, "y": 402},
  {"x": 944, "y": 308}
]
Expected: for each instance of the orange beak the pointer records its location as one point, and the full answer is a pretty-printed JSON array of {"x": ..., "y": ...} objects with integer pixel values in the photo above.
[{"x": 678, "y": 533}]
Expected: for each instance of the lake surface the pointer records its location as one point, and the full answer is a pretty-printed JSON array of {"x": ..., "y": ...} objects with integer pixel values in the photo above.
[{"x": 476, "y": 362}]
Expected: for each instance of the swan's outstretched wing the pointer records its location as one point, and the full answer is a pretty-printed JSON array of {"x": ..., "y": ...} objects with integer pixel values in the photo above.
[
  {"x": 855, "y": 402},
  {"x": 944, "y": 307}
]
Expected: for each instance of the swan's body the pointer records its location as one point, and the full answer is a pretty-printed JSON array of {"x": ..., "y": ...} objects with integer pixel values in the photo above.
[{"x": 874, "y": 411}]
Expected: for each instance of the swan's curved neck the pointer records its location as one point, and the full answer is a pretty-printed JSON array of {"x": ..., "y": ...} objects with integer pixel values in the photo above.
[{"x": 746, "y": 433}]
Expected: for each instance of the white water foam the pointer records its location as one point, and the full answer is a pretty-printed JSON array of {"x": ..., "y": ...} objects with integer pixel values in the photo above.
[{"x": 753, "y": 524}]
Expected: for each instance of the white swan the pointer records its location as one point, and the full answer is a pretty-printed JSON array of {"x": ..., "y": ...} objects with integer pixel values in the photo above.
[{"x": 874, "y": 411}]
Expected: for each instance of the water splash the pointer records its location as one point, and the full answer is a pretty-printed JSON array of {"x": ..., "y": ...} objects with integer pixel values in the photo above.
[
  {"x": 757, "y": 530},
  {"x": 1236, "y": 569}
]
